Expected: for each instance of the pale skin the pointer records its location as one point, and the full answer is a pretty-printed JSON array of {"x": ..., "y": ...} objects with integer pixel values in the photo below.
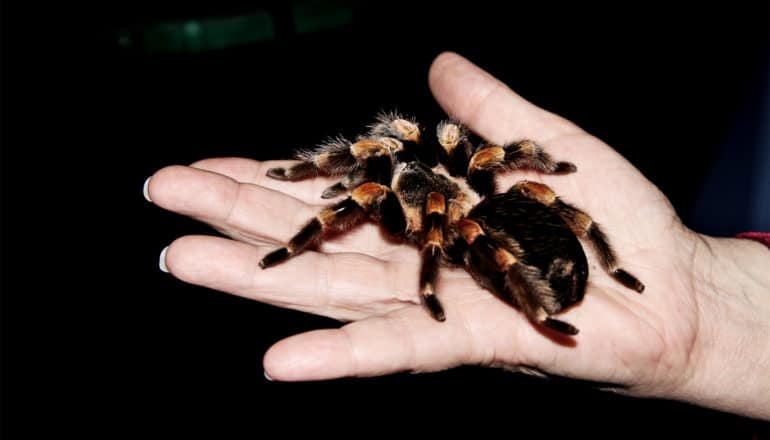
[{"x": 699, "y": 333}]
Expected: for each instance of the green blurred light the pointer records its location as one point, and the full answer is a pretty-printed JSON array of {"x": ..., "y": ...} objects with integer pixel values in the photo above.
[
  {"x": 315, "y": 15},
  {"x": 192, "y": 28},
  {"x": 204, "y": 34},
  {"x": 124, "y": 39}
]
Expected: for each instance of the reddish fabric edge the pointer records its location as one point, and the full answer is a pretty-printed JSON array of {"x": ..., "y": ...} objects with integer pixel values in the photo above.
[{"x": 762, "y": 237}]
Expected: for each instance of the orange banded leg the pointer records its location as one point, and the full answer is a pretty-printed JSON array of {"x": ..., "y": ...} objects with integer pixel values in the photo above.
[
  {"x": 525, "y": 154},
  {"x": 584, "y": 227},
  {"x": 340, "y": 216},
  {"x": 367, "y": 160},
  {"x": 331, "y": 158},
  {"x": 432, "y": 249},
  {"x": 528, "y": 154},
  {"x": 520, "y": 284},
  {"x": 374, "y": 163},
  {"x": 456, "y": 149},
  {"x": 482, "y": 167},
  {"x": 352, "y": 180}
]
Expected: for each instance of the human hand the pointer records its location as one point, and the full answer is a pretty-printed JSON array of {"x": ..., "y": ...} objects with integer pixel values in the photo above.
[{"x": 651, "y": 344}]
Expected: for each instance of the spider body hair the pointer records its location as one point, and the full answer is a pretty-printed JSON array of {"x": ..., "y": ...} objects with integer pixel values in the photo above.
[{"x": 523, "y": 244}]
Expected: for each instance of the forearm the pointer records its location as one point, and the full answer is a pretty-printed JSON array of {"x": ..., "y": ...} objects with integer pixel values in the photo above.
[{"x": 730, "y": 363}]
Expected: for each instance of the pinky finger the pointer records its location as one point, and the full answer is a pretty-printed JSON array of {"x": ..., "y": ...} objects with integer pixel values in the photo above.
[{"x": 404, "y": 340}]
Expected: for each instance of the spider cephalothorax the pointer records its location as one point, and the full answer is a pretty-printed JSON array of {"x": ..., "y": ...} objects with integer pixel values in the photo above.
[{"x": 439, "y": 194}]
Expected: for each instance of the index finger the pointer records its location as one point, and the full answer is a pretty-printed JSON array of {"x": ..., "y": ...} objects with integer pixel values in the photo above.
[
  {"x": 489, "y": 107},
  {"x": 255, "y": 172}
]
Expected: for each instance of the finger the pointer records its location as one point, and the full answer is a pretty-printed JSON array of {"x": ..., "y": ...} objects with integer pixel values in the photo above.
[
  {"x": 404, "y": 340},
  {"x": 255, "y": 172},
  {"x": 487, "y": 106},
  {"x": 254, "y": 214},
  {"x": 258, "y": 213},
  {"x": 329, "y": 285}
]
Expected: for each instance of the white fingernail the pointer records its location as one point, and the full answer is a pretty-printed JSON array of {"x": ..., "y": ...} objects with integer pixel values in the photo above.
[
  {"x": 267, "y": 376},
  {"x": 146, "y": 189},
  {"x": 162, "y": 260}
]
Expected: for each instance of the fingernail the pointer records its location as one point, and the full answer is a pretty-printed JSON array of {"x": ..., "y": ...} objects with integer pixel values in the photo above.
[
  {"x": 267, "y": 376},
  {"x": 146, "y": 189},
  {"x": 162, "y": 260}
]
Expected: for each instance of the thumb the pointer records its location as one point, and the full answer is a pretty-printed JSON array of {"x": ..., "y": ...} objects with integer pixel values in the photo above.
[
  {"x": 405, "y": 340},
  {"x": 487, "y": 106}
]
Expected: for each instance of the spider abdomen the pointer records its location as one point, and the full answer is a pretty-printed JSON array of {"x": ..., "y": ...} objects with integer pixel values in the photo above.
[{"x": 539, "y": 237}]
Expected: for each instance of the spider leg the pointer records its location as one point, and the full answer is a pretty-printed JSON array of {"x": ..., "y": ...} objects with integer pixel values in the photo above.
[
  {"x": 528, "y": 154},
  {"x": 531, "y": 290},
  {"x": 482, "y": 167},
  {"x": 457, "y": 159},
  {"x": 367, "y": 160},
  {"x": 370, "y": 198},
  {"x": 584, "y": 227},
  {"x": 524, "y": 154},
  {"x": 456, "y": 149},
  {"x": 352, "y": 180},
  {"x": 375, "y": 159},
  {"x": 374, "y": 163},
  {"x": 330, "y": 158},
  {"x": 517, "y": 283},
  {"x": 432, "y": 250}
]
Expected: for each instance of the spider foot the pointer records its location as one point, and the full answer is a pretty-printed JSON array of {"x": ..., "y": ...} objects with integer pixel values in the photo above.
[
  {"x": 564, "y": 168},
  {"x": 275, "y": 257},
  {"x": 277, "y": 173},
  {"x": 628, "y": 280},
  {"x": 434, "y": 307},
  {"x": 560, "y": 326}
]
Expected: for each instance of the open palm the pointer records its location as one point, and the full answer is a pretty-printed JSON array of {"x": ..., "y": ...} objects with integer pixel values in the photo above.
[{"x": 640, "y": 341}]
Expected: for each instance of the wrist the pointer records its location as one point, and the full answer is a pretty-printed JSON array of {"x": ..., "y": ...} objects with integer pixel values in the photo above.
[{"x": 729, "y": 368}]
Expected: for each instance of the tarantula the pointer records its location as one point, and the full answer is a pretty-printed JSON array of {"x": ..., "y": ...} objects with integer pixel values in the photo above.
[{"x": 440, "y": 195}]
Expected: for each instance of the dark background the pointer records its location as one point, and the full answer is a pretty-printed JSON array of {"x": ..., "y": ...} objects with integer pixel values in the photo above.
[{"x": 97, "y": 341}]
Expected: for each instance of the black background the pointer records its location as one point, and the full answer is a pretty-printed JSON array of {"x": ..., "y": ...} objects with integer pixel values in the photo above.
[{"x": 97, "y": 341}]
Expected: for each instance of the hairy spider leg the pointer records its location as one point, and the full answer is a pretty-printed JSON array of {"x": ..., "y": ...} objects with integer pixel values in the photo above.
[
  {"x": 520, "y": 155},
  {"x": 332, "y": 158},
  {"x": 456, "y": 149},
  {"x": 370, "y": 198},
  {"x": 482, "y": 167},
  {"x": 517, "y": 283},
  {"x": 361, "y": 161},
  {"x": 432, "y": 250},
  {"x": 367, "y": 160},
  {"x": 584, "y": 227},
  {"x": 528, "y": 154},
  {"x": 352, "y": 180},
  {"x": 374, "y": 163}
]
